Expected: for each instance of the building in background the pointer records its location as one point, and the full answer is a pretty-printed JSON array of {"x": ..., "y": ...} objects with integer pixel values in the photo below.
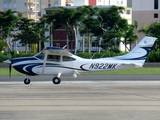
[
  {"x": 145, "y": 12},
  {"x": 100, "y": 2},
  {"x": 59, "y": 36},
  {"x": 32, "y": 9},
  {"x": 1, "y": 5},
  {"x": 129, "y": 3}
]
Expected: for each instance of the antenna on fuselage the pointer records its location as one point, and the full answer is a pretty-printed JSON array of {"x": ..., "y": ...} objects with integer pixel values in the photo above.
[
  {"x": 102, "y": 56},
  {"x": 93, "y": 55},
  {"x": 64, "y": 46}
]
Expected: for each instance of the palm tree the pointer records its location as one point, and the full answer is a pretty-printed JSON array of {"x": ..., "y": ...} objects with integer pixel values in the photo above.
[
  {"x": 40, "y": 32},
  {"x": 69, "y": 18},
  {"x": 26, "y": 34},
  {"x": 129, "y": 36},
  {"x": 8, "y": 21}
]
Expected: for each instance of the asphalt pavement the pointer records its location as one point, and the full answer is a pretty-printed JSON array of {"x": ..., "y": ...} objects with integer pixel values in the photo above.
[{"x": 89, "y": 97}]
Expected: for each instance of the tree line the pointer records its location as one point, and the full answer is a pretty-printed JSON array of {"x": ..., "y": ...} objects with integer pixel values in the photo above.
[
  {"x": 105, "y": 24},
  {"x": 27, "y": 31}
]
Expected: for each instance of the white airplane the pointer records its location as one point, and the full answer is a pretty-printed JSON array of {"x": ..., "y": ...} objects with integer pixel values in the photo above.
[{"x": 57, "y": 61}]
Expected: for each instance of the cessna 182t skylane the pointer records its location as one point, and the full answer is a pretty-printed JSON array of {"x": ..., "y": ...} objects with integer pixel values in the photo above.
[{"x": 57, "y": 61}]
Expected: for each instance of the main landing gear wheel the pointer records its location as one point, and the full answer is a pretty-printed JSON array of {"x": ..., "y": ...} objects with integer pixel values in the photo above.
[
  {"x": 56, "y": 80},
  {"x": 27, "y": 81}
]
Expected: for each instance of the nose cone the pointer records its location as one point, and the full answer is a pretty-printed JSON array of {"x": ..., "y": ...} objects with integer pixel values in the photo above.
[{"x": 7, "y": 61}]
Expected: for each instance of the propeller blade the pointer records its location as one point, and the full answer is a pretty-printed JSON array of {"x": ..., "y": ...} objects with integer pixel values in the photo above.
[
  {"x": 10, "y": 67},
  {"x": 10, "y": 52}
]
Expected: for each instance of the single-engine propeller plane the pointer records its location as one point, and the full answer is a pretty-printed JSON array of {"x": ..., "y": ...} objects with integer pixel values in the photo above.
[{"x": 57, "y": 61}]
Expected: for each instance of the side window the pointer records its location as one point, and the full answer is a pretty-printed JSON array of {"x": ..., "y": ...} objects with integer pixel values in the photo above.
[
  {"x": 66, "y": 58},
  {"x": 55, "y": 58}
]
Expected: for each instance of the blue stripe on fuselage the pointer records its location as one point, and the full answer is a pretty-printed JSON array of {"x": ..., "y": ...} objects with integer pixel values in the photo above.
[
  {"x": 29, "y": 66},
  {"x": 148, "y": 49},
  {"x": 15, "y": 60}
]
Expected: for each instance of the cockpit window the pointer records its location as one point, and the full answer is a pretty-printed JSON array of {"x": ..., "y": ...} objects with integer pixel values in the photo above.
[
  {"x": 40, "y": 55},
  {"x": 55, "y": 58},
  {"x": 66, "y": 58}
]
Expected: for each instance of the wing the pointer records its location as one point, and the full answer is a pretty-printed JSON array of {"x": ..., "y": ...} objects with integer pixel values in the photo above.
[{"x": 57, "y": 51}]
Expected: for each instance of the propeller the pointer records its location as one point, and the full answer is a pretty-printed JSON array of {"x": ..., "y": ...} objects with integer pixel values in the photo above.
[
  {"x": 10, "y": 65},
  {"x": 10, "y": 69}
]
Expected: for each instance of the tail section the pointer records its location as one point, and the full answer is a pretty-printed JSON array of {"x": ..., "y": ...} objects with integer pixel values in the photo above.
[{"x": 139, "y": 53}]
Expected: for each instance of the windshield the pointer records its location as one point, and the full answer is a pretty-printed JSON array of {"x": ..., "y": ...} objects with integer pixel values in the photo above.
[{"x": 40, "y": 55}]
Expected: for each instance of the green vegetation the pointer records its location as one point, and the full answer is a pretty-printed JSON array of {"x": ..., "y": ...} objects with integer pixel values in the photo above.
[
  {"x": 3, "y": 44},
  {"x": 99, "y": 55},
  {"x": 152, "y": 30},
  {"x": 5, "y": 71},
  {"x": 129, "y": 71},
  {"x": 22, "y": 29},
  {"x": 154, "y": 56},
  {"x": 94, "y": 24},
  {"x": 5, "y": 55}
]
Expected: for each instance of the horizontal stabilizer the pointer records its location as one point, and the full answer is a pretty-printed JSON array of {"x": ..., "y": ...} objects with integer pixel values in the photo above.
[{"x": 127, "y": 66}]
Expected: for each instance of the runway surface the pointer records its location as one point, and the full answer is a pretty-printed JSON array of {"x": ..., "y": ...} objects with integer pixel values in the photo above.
[
  {"x": 109, "y": 98},
  {"x": 83, "y": 78}
]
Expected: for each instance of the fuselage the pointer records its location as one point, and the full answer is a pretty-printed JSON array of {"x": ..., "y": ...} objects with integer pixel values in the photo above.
[{"x": 36, "y": 66}]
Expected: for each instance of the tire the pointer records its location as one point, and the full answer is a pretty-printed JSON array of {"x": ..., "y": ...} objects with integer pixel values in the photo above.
[
  {"x": 27, "y": 81},
  {"x": 56, "y": 80}
]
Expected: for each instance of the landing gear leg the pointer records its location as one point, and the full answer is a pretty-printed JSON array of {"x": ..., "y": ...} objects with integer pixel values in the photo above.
[
  {"x": 57, "y": 80},
  {"x": 27, "y": 81}
]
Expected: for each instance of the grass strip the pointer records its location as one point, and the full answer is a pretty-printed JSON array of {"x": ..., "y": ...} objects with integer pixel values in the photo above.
[
  {"x": 5, "y": 71},
  {"x": 129, "y": 71}
]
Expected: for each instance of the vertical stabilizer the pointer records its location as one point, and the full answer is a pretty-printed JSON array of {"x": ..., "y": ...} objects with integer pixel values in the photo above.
[{"x": 139, "y": 53}]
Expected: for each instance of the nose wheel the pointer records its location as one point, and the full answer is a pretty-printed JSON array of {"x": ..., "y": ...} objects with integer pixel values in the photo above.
[
  {"x": 27, "y": 81},
  {"x": 56, "y": 80}
]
